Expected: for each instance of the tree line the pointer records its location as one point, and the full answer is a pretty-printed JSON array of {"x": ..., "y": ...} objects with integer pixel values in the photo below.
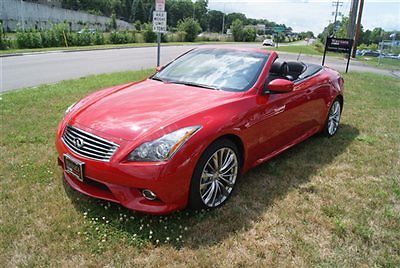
[
  {"x": 368, "y": 38},
  {"x": 140, "y": 11}
]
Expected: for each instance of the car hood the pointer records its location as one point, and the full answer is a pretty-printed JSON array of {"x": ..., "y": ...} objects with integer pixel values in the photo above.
[{"x": 136, "y": 109}]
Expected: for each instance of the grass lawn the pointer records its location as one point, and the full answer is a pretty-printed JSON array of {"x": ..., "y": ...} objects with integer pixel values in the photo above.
[
  {"x": 382, "y": 63},
  {"x": 309, "y": 50},
  {"x": 325, "y": 202}
]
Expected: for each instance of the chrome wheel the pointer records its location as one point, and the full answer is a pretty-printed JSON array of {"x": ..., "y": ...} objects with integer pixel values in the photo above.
[
  {"x": 333, "y": 119},
  {"x": 218, "y": 177}
]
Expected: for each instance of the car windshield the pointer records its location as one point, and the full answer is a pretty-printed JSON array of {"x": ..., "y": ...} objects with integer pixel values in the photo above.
[{"x": 224, "y": 69}]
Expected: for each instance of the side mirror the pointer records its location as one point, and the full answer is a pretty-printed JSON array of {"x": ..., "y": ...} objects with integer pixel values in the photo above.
[
  {"x": 159, "y": 68},
  {"x": 280, "y": 86}
]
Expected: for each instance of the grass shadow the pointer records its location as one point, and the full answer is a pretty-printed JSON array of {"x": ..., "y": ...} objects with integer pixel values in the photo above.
[{"x": 254, "y": 194}]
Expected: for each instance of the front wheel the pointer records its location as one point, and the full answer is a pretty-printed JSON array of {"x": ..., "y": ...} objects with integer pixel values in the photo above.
[
  {"x": 332, "y": 122},
  {"x": 215, "y": 175}
]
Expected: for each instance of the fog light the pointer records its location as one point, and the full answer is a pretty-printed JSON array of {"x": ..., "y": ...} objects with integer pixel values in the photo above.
[{"x": 149, "y": 195}]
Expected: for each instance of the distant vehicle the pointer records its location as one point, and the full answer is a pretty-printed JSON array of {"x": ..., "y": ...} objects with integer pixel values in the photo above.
[
  {"x": 369, "y": 53},
  {"x": 90, "y": 30},
  {"x": 268, "y": 42}
]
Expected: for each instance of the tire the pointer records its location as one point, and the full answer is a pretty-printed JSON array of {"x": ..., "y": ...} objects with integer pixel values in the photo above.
[
  {"x": 333, "y": 119},
  {"x": 222, "y": 181}
]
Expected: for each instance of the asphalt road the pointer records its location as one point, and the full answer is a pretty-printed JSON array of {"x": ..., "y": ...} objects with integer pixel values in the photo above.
[{"x": 35, "y": 69}]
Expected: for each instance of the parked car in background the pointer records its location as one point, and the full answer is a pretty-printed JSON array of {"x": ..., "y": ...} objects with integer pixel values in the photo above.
[
  {"x": 370, "y": 53},
  {"x": 184, "y": 136},
  {"x": 268, "y": 42},
  {"x": 90, "y": 30}
]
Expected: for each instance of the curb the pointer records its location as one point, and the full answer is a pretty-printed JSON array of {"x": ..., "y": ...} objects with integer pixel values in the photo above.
[
  {"x": 73, "y": 50},
  {"x": 95, "y": 49}
]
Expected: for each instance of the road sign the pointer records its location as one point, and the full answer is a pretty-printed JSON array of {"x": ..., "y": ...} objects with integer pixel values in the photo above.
[
  {"x": 159, "y": 22},
  {"x": 279, "y": 29},
  {"x": 160, "y": 5}
]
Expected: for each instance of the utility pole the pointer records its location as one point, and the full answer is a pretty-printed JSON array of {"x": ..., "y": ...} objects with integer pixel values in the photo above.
[
  {"x": 352, "y": 19},
  {"x": 336, "y": 4},
  {"x": 358, "y": 29},
  {"x": 223, "y": 20}
]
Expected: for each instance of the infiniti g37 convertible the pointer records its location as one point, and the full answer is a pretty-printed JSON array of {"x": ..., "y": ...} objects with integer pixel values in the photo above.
[{"x": 185, "y": 135}]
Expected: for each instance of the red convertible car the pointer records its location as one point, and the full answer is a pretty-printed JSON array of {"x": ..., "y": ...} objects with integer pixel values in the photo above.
[{"x": 185, "y": 135}]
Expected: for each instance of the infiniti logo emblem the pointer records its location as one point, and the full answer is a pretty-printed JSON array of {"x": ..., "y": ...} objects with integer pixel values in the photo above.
[{"x": 78, "y": 142}]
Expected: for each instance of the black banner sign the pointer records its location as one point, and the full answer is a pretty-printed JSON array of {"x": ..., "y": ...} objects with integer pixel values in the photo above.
[{"x": 339, "y": 45}]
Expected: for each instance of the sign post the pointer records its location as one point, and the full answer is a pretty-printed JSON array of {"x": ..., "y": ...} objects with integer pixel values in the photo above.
[
  {"x": 278, "y": 29},
  {"x": 159, "y": 24},
  {"x": 338, "y": 45}
]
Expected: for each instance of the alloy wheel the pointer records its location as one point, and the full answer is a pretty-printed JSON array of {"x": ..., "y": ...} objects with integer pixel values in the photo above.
[
  {"x": 334, "y": 117},
  {"x": 218, "y": 177}
]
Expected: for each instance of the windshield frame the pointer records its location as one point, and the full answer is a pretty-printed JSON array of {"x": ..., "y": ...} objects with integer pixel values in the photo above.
[{"x": 265, "y": 57}]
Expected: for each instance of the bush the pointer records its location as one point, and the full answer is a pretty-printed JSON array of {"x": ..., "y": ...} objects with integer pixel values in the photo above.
[
  {"x": 84, "y": 38},
  {"x": 29, "y": 39},
  {"x": 4, "y": 42},
  {"x": 121, "y": 37},
  {"x": 237, "y": 30},
  {"x": 176, "y": 37},
  {"x": 98, "y": 39},
  {"x": 191, "y": 27},
  {"x": 148, "y": 34},
  {"x": 249, "y": 35}
]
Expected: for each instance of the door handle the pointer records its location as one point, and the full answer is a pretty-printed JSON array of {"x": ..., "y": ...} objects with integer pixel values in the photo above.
[{"x": 280, "y": 109}]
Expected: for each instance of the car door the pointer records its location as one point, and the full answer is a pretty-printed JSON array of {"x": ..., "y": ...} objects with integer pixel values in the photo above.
[{"x": 277, "y": 121}]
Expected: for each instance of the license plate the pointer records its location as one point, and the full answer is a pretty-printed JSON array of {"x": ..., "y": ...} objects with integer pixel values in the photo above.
[{"x": 73, "y": 167}]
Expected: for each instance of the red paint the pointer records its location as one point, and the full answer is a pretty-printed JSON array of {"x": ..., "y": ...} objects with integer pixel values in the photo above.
[
  {"x": 280, "y": 86},
  {"x": 135, "y": 113}
]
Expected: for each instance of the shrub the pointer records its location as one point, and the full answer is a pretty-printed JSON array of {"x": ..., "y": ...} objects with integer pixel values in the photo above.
[
  {"x": 29, "y": 39},
  {"x": 249, "y": 35},
  {"x": 4, "y": 43},
  {"x": 121, "y": 38},
  {"x": 139, "y": 38},
  {"x": 191, "y": 27},
  {"x": 237, "y": 30},
  {"x": 148, "y": 34},
  {"x": 98, "y": 38},
  {"x": 84, "y": 38}
]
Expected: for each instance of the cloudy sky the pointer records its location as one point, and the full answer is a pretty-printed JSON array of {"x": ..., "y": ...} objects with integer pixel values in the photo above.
[{"x": 313, "y": 15}]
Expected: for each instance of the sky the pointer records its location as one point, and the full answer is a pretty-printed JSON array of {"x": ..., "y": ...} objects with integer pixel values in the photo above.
[{"x": 314, "y": 15}]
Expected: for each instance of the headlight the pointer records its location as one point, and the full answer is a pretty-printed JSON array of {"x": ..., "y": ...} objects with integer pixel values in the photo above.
[
  {"x": 163, "y": 148},
  {"x": 69, "y": 108}
]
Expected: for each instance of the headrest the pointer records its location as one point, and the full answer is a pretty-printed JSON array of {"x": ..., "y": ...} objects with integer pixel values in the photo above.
[{"x": 280, "y": 68}]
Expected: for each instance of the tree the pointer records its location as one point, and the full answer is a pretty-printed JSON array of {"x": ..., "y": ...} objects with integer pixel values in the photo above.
[
  {"x": 249, "y": 35},
  {"x": 113, "y": 22},
  {"x": 237, "y": 30},
  {"x": 215, "y": 20},
  {"x": 191, "y": 27},
  {"x": 200, "y": 11},
  {"x": 138, "y": 13},
  {"x": 178, "y": 10},
  {"x": 230, "y": 18}
]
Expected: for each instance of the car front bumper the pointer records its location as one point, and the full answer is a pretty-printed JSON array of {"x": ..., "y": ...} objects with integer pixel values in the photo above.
[{"x": 123, "y": 182}]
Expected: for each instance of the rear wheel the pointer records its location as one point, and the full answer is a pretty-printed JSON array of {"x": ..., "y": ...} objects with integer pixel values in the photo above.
[
  {"x": 215, "y": 175},
  {"x": 332, "y": 122}
]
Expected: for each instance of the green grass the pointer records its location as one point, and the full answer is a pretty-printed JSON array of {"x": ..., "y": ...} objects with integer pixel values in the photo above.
[
  {"x": 108, "y": 46},
  {"x": 304, "y": 49},
  {"x": 325, "y": 202},
  {"x": 382, "y": 63}
]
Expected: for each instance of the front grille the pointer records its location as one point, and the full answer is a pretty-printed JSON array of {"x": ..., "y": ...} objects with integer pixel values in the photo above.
[{"x": 88, "y": 145}]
